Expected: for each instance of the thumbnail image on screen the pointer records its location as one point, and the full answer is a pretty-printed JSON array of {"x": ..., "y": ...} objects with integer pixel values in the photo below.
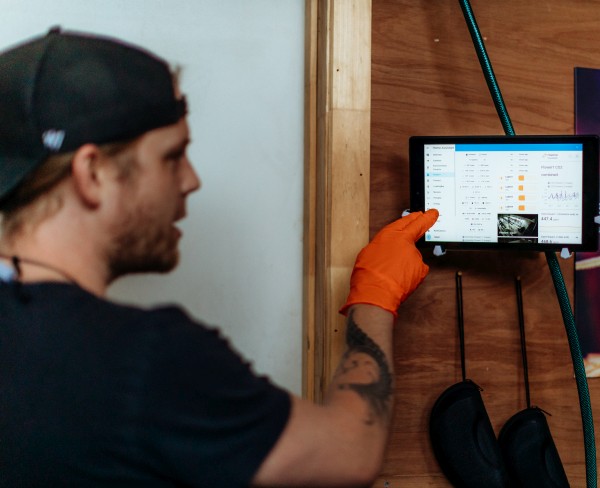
[{"x": 518, "y": 228}]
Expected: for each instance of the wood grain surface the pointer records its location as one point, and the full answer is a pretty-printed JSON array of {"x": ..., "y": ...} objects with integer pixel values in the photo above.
[{"x": 426, "y": 80}]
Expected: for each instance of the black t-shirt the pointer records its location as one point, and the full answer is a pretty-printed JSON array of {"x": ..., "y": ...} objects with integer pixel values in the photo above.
[{"x": 97, "y": 394}]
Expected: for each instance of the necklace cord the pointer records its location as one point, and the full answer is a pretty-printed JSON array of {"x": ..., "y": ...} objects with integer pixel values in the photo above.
[{"x": 17, "y": 262}]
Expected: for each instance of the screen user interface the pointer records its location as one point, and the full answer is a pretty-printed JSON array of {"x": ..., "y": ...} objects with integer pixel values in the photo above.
[{"x": 505, "y": 193}]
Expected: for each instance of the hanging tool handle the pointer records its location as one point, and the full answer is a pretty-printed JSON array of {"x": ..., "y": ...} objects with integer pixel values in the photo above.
[
  {"x": 461, "y": 324},
  {"x": 519, "y": 292}
]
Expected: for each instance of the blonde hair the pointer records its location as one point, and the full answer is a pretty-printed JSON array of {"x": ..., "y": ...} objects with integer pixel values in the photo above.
[{"x": 34, "y": 199}]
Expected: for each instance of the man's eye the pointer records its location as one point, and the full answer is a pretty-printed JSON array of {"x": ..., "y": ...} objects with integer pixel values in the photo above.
[{"x": 175, "y": 157}]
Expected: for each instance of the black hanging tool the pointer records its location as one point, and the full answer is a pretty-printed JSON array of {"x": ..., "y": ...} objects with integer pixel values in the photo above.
[
  {"x": 461, "y": 433},
  {"x": 527, "y": 446}
]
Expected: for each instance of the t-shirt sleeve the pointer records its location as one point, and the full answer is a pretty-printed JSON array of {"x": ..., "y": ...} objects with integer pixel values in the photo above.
[{"x": 208, "y": 420}]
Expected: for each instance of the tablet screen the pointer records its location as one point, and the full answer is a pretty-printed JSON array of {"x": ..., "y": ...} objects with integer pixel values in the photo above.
[{"x": 529, "y": 192}]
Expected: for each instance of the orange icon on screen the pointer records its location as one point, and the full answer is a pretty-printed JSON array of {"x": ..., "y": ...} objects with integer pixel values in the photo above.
[
  {"x": 521, "y": 198},
  {"x": 521, "y": 178}
]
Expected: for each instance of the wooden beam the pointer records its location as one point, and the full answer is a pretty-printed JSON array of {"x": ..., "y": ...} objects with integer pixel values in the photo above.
[
  {"x": 341, "y": 186},
  {"x": 310, "y": 199}
]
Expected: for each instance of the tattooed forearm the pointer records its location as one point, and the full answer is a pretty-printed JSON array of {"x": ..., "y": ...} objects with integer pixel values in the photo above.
[{"x": 366, "y": 359}]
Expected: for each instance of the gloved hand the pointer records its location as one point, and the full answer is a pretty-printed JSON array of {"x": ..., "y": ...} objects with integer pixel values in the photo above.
[{"x": 390, "y": 267}]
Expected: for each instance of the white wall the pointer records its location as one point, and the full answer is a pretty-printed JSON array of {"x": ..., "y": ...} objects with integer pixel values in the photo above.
[{"x": 243, "y": 75}]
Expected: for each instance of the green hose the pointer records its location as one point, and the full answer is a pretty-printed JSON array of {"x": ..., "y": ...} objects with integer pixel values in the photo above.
[
  {"x": 580, "y": 378},
  {"x": 557, "y": 277}
]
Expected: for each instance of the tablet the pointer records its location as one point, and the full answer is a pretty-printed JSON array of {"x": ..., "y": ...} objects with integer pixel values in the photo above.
[{"x": 507, "y": 192}]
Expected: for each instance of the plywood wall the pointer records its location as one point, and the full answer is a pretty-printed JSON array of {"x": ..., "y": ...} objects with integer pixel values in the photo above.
[{"x": 426, "y": 80}]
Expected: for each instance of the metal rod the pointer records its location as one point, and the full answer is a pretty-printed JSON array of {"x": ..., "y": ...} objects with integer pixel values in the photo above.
[
  {"x": 523, "y": 342},
  {"x": 461, "y": 324}
]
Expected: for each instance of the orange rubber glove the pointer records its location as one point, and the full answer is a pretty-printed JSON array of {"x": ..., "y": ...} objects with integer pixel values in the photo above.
[{"x": 390, "y": 267}]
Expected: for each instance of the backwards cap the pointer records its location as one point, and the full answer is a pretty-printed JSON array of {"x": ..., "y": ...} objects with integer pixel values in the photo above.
[{"x": 63, "y": 90}]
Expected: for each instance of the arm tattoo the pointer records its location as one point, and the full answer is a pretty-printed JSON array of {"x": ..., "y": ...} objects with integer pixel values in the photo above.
[{"x": 378, "y": 392}]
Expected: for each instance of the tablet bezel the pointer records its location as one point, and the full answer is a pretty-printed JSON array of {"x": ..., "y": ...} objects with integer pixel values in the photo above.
[{"x": 590, "y": 168}]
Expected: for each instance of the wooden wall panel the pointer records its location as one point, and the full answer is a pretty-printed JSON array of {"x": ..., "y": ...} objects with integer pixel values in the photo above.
[{"x": 426, "y": 80}]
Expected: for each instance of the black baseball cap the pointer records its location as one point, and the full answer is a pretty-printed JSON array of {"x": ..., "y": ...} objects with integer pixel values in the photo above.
[{"x": 65, "y": 89}]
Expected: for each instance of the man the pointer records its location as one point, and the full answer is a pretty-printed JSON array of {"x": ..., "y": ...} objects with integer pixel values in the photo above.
[{"x": 94, "y": 177}]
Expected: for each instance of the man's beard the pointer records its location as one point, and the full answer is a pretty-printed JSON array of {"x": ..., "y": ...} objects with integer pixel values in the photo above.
[{"x": 142, "y": 244}]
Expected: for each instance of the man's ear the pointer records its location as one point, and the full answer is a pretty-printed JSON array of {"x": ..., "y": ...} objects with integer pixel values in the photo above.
[{"x": 87, "y": 172}]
